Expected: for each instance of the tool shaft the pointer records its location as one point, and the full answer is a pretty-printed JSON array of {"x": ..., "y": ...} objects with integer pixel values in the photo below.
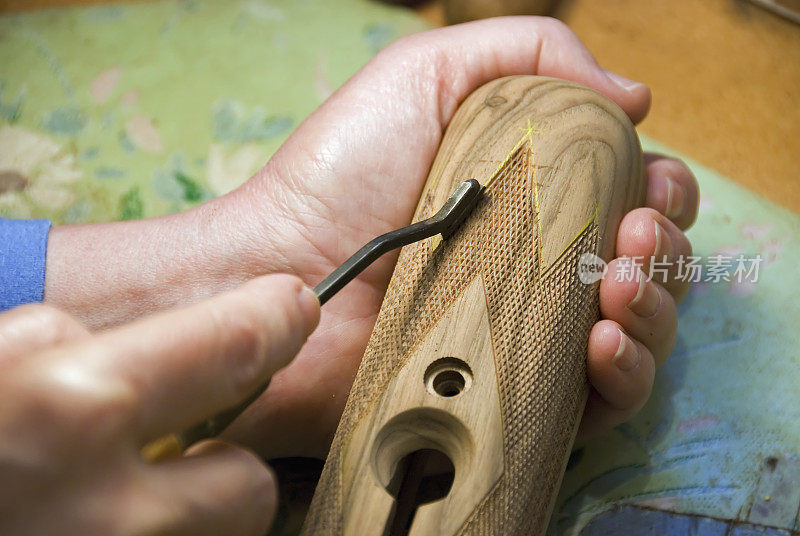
[{"x": 457, "y": 207}]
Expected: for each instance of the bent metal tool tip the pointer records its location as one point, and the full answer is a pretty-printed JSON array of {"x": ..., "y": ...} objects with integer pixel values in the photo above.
[{"x": 445, "y": 222}]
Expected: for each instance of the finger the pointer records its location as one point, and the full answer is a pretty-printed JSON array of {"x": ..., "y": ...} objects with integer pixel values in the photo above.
[
  {"x": 185, "y": 365},
  {"x": 659, "y": 246},
  {"x": 643, "y": 308},
  {"x": 32, "y": 328},
  {"x": 672, "y": 189},
  {"x": 620, "y": 371},
  {"x": 217, "y": 488}
]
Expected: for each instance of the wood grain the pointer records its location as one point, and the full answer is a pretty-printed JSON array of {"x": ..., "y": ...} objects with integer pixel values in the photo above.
[
  {"x": 501, "y": 304},
  {"x": 412, "y": 415}
]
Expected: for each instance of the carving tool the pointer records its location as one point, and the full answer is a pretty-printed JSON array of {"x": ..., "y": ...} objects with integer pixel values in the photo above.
[
  {"x": 463, "y": 412},
  {"x": 445, "y": 222},
  {"x": 457, "y": 207}
]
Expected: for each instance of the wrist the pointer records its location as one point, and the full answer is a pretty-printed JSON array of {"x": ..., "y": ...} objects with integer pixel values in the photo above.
[{"x": 109, "y": 273}]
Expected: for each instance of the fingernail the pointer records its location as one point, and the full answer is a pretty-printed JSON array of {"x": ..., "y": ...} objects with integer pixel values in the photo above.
[
  {"x": 675, "y": 198},
  {"x": 647, "y": 299},
  {"x": 627, "y": 356},
  {"x": 625, "y": 83},
  {"x": 663, "y": 249},
  {"x": 309, "y": 304}
]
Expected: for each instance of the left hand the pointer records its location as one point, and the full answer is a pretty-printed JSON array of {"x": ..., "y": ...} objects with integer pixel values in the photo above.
[{"x": 351, "y": 171}]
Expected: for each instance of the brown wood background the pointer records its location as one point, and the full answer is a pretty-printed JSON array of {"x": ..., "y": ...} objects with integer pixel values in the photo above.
[{"x": 725, "y": 76}]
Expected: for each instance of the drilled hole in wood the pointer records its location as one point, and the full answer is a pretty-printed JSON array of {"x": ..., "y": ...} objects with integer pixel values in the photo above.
[
  {"x": 415, "y": 457},
  {"x": 449, "y": 383},
  {"x": 421, "y": 477},
  {"x": 448, "y": 377}
]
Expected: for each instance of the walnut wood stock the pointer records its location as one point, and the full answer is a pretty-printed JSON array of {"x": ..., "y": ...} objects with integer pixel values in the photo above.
[{"x": 479, "y": 348}]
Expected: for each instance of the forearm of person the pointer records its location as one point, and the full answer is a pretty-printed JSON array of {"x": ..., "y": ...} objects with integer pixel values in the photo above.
[{"x": 105, "y": 274}]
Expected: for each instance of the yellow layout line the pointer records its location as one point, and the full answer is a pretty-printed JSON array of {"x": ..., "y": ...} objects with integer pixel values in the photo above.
[{"x": 527, "y": 136}]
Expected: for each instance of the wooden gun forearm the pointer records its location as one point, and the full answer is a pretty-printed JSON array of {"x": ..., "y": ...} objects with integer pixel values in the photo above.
[{"x": 479, "y": 348}]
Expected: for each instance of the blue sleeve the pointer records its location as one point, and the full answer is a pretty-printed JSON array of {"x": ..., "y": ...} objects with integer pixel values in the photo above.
[{"x": 23, "y": 249}]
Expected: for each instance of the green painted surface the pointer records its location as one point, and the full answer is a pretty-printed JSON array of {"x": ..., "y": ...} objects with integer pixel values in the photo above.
[{"x": 183, "y": 100}]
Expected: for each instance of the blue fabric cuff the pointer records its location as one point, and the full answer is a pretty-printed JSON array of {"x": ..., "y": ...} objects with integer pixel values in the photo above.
[{"x": 23, "y": 250}]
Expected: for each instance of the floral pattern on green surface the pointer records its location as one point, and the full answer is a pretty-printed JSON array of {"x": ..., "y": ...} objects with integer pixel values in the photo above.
[{"x": 129, "y": 111}]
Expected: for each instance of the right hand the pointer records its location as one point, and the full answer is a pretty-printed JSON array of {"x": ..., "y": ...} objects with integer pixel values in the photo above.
[{"x": 76, "y": 407}]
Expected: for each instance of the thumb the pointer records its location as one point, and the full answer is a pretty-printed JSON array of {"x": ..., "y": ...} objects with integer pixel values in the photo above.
[
  {"x": 181, "y": 366},
  {"x": 563, "y": 55},
  {"x": 463, "y": 57}
]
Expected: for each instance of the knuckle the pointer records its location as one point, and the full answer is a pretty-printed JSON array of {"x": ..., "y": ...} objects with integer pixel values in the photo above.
[
  {"x": 101, "y": 422},
  {"x": 421, "y": 55},
  {"x": 47, "y": 316},
  {"x": 266, "y": 317},
  {"x": 51, "y": 416},
  {"x": 110, "y": 414},
  {"x": 241, "y": 350},
  {"x": 56, "y": 325},
  {"x": 82, "y": 404},
  {"x": 556, "y": 25},
  {"x": 558, "y": 31},
  {"x": 391, "y": 52},
  {"x": 248, "y": 337}
]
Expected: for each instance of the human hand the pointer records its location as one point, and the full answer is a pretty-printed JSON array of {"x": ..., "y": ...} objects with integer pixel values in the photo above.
[
  {"x": 355, "y": 169},
  {"x": 76, "y": 407}
]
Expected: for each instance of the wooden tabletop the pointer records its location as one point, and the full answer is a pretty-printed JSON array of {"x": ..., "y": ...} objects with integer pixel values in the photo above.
[{"x": 725, "y": 76}]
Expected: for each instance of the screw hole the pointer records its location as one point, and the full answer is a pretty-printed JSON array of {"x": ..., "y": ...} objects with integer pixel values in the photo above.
[
  {"x": 448, "y": 383},
  {"x": 448, "y": 377}
]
